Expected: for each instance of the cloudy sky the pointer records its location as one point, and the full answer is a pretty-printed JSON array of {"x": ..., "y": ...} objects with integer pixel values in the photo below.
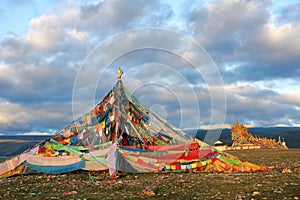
[{"x": 192, "y": 61}]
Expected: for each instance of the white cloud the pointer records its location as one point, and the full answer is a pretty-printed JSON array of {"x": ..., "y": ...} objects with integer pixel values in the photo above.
[
  {"x": 78, "y": 35},
  {"x": 279, "y": 42},
  {"x": 215, "y": 126},
  {"x": 243, "y": 33},
  {"x": 291, "y": 98},
  {"x": 46, "y": 32},
  {"x": 20, "y": 117},
  {"x": 227, "y": 22},
  {"x": 12, "y": 113},
  {"x": 13, "y": 48},
  {"x": 50, "y": 132},
  {"x": 281, "y": 125}
]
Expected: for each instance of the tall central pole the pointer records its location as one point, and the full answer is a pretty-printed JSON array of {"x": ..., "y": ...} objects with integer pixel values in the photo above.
[{"x": 117, "y": 108}]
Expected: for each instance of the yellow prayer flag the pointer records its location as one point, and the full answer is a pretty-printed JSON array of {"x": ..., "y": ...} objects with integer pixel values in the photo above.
[{"x": 103, "y": 124}]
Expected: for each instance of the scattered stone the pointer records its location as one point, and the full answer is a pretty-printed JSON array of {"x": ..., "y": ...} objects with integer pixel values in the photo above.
[
  {"x": 68, "y": 193},
  {"x": 162, "y": 176},
  {"x": 286, "y": 170},
  {"x": 238, "y": 197},
  {"x": 147, "y": 192},
  {"x": 119, "y": 183}
]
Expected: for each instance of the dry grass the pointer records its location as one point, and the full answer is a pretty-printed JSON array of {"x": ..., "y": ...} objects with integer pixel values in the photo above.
[{"x": 264, "y": 185}]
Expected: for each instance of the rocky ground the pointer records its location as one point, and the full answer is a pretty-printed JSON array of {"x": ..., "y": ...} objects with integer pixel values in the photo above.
[{"x": 283, "y": 182}]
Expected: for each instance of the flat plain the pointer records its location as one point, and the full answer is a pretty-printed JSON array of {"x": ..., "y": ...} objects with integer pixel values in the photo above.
[{"x": 187, "y": 185}]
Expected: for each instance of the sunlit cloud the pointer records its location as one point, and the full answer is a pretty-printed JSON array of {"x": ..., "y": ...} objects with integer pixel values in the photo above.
[{"x": 255, "y": 45}]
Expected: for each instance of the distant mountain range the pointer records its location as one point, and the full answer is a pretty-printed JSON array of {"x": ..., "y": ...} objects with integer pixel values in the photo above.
[{"x": 291, "y": 135}]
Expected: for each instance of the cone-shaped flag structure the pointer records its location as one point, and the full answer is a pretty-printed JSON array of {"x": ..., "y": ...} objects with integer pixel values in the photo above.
[{"x": 121, "y": 134}]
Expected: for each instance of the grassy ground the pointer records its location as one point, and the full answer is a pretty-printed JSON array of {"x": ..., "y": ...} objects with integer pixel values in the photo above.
[{"x": 264, "y": 185}]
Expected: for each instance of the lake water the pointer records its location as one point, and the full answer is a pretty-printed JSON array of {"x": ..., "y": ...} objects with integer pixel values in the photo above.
[{"x": 16, "y": 144}]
